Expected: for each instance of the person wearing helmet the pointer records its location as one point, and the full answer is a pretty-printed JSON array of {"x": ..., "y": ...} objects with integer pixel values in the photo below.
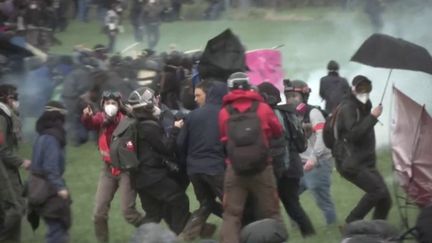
[
  {"x": 354, "y": 151},
  {"x": 317, "y": 159},
  {"x": 159, "y": 193},
  {"x": 333, "y": 88},
  {"x": 110, "y": 178},
  {"x": 288, "y": 180},
  {"x": 237, "y": 187}
]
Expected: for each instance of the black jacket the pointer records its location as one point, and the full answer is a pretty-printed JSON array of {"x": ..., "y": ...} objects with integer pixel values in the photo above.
[
  {"x": 199, "y": 139},
  {"x": 333, "y": 89},
  {"x": 297, "y": 142},
  {"x": 355, "y": 148},
  {"x": 153, "y": 148}
]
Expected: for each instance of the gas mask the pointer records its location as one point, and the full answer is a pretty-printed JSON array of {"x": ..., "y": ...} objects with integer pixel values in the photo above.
[
  {"x": 111, "y": 110},
  {"x": 363, "y": 98}
]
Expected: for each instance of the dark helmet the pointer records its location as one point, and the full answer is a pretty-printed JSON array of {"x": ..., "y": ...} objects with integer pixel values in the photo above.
[
  {"x": 333, "y": 66},
  {"x": 238, "y": 80},
  {"x": 142, "y": 97},
  {"x": 298, "y": 86},
  {"x": 111, "y": 95},
  {"x": 270, "y": 93}
]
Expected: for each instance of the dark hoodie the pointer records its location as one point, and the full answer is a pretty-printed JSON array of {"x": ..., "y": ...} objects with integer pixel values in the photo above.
[
  {"x": 333, "y": 89},
  {"x": 356, "y": 148},
  {"x": 199, "y": 139}
]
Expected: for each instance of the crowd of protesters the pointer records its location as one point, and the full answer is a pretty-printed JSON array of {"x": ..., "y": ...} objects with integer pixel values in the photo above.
[
  {"x": 186, "y": 132},
  {"x": 175, "y": 144}
]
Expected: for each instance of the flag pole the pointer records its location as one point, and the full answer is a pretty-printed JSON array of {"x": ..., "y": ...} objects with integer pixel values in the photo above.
[{"x": 385, "y": 88}]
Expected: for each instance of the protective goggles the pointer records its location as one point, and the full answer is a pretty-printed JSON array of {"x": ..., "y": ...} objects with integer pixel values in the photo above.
[
  {"x": 303, "y": 90},
  {"x": 108, "y": 95}
]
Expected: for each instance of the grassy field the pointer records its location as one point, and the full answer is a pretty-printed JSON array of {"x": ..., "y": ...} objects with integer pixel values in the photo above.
[
  {"x": 311, "y": 38},
  {"x": 82, "y": 175}
]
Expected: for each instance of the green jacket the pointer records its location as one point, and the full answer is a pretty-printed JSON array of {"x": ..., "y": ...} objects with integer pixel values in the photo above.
[{"x": 10, "y": 180}]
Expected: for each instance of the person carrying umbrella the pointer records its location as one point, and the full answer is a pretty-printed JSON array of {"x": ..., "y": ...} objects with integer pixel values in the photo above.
[{"x": 354, "y": 150}]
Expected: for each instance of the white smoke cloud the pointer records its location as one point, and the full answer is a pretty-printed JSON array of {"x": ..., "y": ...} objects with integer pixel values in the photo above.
[{"x": 402, "y": 20}]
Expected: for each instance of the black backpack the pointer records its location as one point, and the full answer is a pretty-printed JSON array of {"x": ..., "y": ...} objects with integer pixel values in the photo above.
[
  {"x": 123, "y": 146},
  {"x": 246, "y": 146},
  {"x": 330, "y": 132}
]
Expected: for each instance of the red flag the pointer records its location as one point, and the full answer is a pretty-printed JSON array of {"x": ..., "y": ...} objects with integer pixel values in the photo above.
[{"x": 411, "y": 139}]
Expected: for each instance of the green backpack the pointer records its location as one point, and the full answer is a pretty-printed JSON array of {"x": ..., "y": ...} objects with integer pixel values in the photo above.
[{"x": 123, "y": 146}]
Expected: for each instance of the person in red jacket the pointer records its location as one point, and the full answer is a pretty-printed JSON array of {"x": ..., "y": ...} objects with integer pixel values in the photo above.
[
  {"x": 260, "y": 186},
  {"x": 110, "y": 178}
]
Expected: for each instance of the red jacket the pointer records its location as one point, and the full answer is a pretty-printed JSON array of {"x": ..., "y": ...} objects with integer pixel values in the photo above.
[
  {"x": 96, "y": 122},
  {"x": 242, "y": 100}
]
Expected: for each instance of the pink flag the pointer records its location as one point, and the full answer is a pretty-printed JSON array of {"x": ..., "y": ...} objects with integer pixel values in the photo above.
[
  {"x": 411, "y": 139},
  {"x": 265, "y": 65}
]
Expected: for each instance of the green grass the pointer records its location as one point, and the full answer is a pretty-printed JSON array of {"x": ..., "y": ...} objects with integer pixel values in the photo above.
[
  {"x": 82, "y": 176},
  {"x": 309, "y": 44}
]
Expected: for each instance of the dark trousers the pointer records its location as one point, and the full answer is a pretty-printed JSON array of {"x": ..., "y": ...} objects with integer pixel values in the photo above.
[
  {"x": 207, "y": 189},
  {"x": 57, "y": 232},
  {"x": 288, "y": 189},
  {"x": 377, "y": 195},
  {"x": 261, "y": 186},
  {"x": 162, "y": 196},
  {"x": 10, "y": 226}
]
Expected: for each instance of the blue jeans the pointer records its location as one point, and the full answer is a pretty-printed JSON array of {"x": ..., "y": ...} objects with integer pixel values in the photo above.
[
  {"x": 56, "y": 232},
  {"x": 318, "y": 181}
]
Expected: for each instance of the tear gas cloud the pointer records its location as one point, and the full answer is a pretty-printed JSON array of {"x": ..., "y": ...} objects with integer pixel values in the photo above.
[{"x": 403, "y": 20}]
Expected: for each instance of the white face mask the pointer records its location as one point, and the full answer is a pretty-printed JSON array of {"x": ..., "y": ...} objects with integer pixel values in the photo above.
[
  {"x": 15, "y": 105},
  {"x": 363, "y": 98},
  {"x": 156, "y": 112},
  {"x": 111, "y": 110}
]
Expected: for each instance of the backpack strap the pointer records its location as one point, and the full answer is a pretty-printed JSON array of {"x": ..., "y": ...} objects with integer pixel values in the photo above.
[
  {"x": 231, "y": 110},
  {"x": 254, "y": 106},
  {"x": 334, "y": 120}
]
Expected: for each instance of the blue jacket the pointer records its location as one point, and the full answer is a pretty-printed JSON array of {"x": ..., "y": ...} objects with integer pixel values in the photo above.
[
  {"x": 199, "y": 139},
  {"x": 49, "y": 159}
]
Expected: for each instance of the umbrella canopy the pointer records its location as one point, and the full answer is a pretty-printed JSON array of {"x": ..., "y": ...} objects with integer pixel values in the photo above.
[
  {"x": 385, "y": 51},
  {"x": 411, "y": 137},
  {"x": 222, "y": 56}
]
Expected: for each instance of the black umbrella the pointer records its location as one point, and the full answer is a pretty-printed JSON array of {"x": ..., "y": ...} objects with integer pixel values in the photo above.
[
  {"x": 222, "y": 56},
  {"x": 385, "y": 51}
]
